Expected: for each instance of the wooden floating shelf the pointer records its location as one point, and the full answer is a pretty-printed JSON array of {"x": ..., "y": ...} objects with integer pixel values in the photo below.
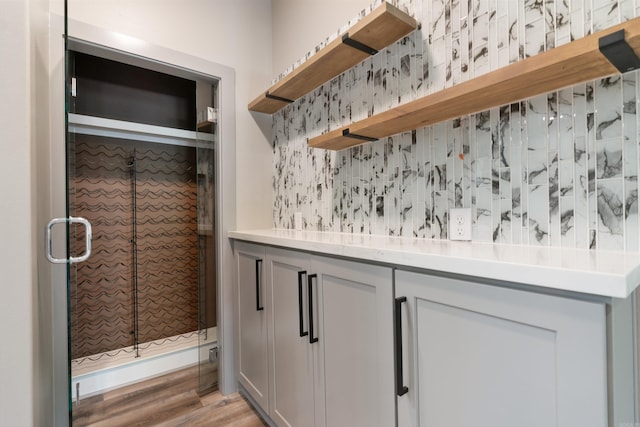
[
  {"x": 383, "y": 26},
  {"x": 579, "y": 61}
]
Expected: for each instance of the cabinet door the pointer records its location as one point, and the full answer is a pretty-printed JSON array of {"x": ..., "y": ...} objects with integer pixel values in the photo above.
[
  {"x": 252, "y": 322},
  {"x": 292, "y": 365},
  {"x": 355, "y": 343},
  {"x": 479, "y": 355}
]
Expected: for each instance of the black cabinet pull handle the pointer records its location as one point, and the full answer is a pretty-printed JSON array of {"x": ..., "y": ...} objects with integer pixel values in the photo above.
[
  {"x": 303, "y": 333},
  {"x": 310, "y": 278},
  {"x": 401, "y": 389},
  {"x": 258, "y": 265}
]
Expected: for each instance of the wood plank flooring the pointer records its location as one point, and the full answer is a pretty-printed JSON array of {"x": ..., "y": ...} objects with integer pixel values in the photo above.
[{"x": 168, "y": 401}]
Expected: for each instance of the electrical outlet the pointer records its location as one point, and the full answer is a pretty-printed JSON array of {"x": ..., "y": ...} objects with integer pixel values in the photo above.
[{"x": 460, "y": 224}]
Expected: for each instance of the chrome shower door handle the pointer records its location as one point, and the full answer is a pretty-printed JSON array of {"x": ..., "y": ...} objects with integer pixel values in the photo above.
[{"x": 72, "y": 259}]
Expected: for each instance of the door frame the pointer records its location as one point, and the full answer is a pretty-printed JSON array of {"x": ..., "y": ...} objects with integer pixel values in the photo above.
[{"x": 133, "y": 51}]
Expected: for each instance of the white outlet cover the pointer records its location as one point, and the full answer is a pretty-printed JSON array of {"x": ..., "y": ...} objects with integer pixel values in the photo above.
[{"x": 460, "y": 224}]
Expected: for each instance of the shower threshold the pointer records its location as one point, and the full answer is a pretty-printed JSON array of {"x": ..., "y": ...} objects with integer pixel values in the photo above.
[{"x": 107, "y": 371}]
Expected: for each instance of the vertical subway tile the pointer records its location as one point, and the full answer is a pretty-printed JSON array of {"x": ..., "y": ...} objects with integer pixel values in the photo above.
[
  {"x": 516, "y": 173},
  {"x": 396, "y": 187},
  {"x": 427, "y": 65},
  {"x": 626, "y": 10},
  {"x": 562, "y": 21},
  {"x": 379, "y": 187},
  {"x": 448, "y": 40},
  {"x": 629, "y": 106},
  {"x": 333, "y": 98},
  {"x": 429, "y": 182},
  {"x": 457, "y": 189},
  {"x": 464, "y": 49},
  {"x": 419, "y": 218},
  {"x": 537, "y": 122},
  {"x": 425, "y": 20},
  {"x": 483, "y": 222},
  {"x": 534, "y": 11},
  {"x": 632, "y": 227},
  {"x": 514, "y": 31},
  {"x": 471, "y": 160},
  {"x": 505, "y": 232},
  {"x": 416, "y": 62},
  {"x": 379, "y": 82},
  {"x": 438, "y": 70},
  {"x": 550, "y": 25},
  {"x": 408, "y": 177},
  {"x": 440, "y": 195},
  {"x": 484, "y": 198},
  {"x": 558, "y": 169},
  {"x": 492, "y": 40},
  {"x": 405, "y": 59},
  {"x": 610, "y": 204},
  {"x": 467, "y": 163},
  {"x": 554, "y": 200},
  {"x": 534, "y": 35},
  {"x": 392, "y": 77},
  {"x": 480, "y": 52},
  {"x": 438, "y": 23},
  {"x": 564, "y": 119},
  {"x": 368, "y": 177},
  {"x": 368, "y": 87},
  {"x": 455, "y": 14},
  {"x": 592, "y": 213},
  {"x": 577, "y": 26},
  {"x": 482, "y": 132},
  {"x": 608, "y": 114},
  {"x": 504, "y": 182},
  {"x": 479, "y": 7},
  {"x": 502, "y": 42},
  {"x": 605, "y": 16},
  {"x": 524, "y": 195},
  {"x": 567, "y": 222},
  {"x": 587, "y": 13},
  {"x": 609, "y": 160},
  {"x": 354, "y": 99},
  {"x": 538, "y": 214}
]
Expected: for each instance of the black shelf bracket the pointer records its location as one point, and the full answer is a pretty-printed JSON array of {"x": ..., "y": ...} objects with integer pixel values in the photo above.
[
  {"x": 357, "y": 45},
  {"x": 346, "y": 133},
  {"x": 616, "y": 49},
  {"x": 277, "y": 98}
]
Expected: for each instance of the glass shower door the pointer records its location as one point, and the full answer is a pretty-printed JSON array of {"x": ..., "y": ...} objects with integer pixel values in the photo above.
[
  {"x": 146, "y": 183},
  {"x": 207, "y": 271},
  {"x": 113, "y": 208}
]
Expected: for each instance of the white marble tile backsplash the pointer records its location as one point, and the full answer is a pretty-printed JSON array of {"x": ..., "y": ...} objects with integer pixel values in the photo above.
[{"x": 559, "y": 169}]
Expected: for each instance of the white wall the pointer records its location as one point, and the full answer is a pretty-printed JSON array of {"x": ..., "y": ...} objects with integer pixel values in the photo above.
[
  {"x": 18, "y": 322},
  {"x": 300, "y": 25},
  {"x": 236, "y": 34}
]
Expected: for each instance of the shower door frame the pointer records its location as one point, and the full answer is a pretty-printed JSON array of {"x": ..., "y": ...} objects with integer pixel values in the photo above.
[{"x": 115, "y": 46}]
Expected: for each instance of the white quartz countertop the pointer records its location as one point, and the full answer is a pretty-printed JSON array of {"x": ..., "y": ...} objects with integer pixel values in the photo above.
[{"x": 610, "y": 274}]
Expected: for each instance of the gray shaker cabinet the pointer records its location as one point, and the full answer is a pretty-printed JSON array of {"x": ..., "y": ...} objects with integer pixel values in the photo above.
[
  {"x": 488, "y": 356},
  {"x": 320, "y": 353},
  {"x": 252, "y": 321}
]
